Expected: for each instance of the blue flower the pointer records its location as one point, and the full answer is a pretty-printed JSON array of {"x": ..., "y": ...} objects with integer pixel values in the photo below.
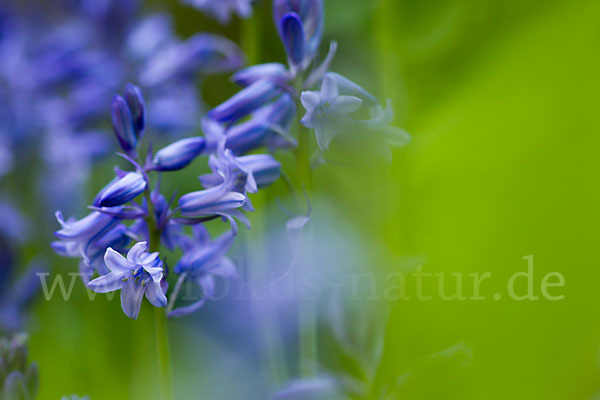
[
  {"x": 263, "y": 167},
  {"x": 246, "y": 101},
  {"x": 268, "y": 126},
  {"x": 179, "y": 154},
  {"x": 222, "y": 9},
  {"x": 273, "y": 71},
  {"x": 203, "y": 52},
  {"x": 118, "y": 238},
  {"x": 82, "y": 234},
  {"x": 137, "y": 275},
  {"x": 327, "y": 112},
  {"x": 122, "y": 190},
  {"x": 203, "y": 261}
]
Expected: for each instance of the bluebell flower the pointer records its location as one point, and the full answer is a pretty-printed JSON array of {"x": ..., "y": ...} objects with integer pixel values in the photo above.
[
  {"x": 178, "y": 154},
  {"x": 137, "y": 275},
  {"x": 201, "y": 53},
  {"x": 246, "y": 101},
  {"x": 327, "y": 112},
  {"x": 263, "y": 167},
  {"x": 203, "y": 261},
  {"x": 223, "y": 9},
  {"x": 268, "y": 126},
  {"x": 123, "y": 190},
  {"x": 276, "y": 72},
  {"x": 118, "y": 238},
  {"x": 82, "y": 234}
]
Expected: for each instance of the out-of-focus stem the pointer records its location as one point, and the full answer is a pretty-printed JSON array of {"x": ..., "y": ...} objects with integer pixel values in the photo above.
[
  {"x": 307, "y": 307},
  {"x": 160, "y": 316}
]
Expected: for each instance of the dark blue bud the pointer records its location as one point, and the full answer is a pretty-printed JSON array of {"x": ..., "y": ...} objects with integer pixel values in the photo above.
[
  {"x": 123, "y": 124},
  {"x": 123, "y": 190},
  {"x": 135, "y": 101},
  {"x": 292, "y": 35},
  {"x": 178, "y": 154}
]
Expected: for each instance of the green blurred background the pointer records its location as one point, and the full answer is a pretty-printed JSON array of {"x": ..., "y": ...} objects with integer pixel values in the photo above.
[{"x": 501, "y": 98}]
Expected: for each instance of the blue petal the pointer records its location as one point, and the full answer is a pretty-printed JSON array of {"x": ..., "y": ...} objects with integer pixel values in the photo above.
[
  {"x": 135, "y": 253},
  {"x": 155, "y": 295},
  {"x": 116, "y": 262},
  {"x": 107, "y": 283},
  {"x": 131, "y": 298}
]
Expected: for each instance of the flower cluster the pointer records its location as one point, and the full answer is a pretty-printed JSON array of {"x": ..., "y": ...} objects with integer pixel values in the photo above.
[
  {"x": 273, "y": 90},
  {"x": 65, "y": 77},
  {"x": 127, "y": 210}
]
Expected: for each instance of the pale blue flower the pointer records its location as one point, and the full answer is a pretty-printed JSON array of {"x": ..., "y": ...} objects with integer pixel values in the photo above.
[
  {"x": 137, "y": 275},
  {"x": 327, "y": 112}
]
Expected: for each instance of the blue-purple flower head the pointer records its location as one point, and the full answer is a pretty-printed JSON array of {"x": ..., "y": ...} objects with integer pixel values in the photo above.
[{"x": 138, "y": 274}]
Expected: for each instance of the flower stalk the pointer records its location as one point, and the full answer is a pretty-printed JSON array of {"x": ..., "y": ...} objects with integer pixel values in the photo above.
[
  {"x": 161, "y": 331},
  {"x": 307, "y": 318}
]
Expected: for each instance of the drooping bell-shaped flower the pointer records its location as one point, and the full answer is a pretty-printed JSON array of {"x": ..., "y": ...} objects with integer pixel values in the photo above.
[
  {"x": 264, "y": 128},
  {"x": 81, "y": 234},
  {"x": 137, "y": 275},
  {"x": 327, "y": 112},
  {"x": 276, "y": 72},
  {"x": 179, "y": 154},
  {"x": 246, "y": 101},
  {"x": 263, "y": 167},
  {"x": 203, "y": 261},
  {"x": 122, "y": 190}
]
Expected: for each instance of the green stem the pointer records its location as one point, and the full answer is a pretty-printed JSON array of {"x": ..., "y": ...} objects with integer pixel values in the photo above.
[
  {"x": 307, "y": 307},
  {"x": 160, "y": 316}
]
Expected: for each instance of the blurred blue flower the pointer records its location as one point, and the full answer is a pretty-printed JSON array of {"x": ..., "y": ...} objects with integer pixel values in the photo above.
[
  {"x": 223, "y": 9},
  {"x": 137, "y": 275},
  {"x": 327, "y": 112},
  {"x": 203, "y": 261}
]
